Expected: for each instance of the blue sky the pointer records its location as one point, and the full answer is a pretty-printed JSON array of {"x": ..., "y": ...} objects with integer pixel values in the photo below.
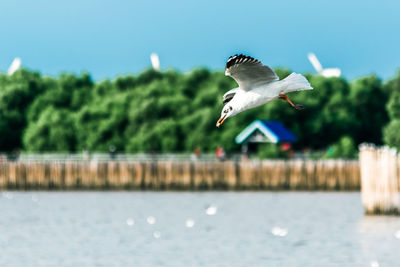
[{"x": 107, "y": 38}]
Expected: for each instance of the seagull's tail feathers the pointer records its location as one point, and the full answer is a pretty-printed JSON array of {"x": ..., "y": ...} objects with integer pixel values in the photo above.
[{"x": 295, "y": 82}]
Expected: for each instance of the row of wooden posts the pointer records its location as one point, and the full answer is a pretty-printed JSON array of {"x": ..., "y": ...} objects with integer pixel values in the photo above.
[
  {"x": 377, "y": 174},
  {"x": 182, "y": 175}
]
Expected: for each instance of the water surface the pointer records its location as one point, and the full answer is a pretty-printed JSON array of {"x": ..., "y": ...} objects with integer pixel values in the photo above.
[{"x": 193, "y": 229}]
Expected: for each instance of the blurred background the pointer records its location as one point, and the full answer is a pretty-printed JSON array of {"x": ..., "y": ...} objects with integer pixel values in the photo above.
[
  {"x": 110, "y": 95},
  {"x": 86, "y": 81}
]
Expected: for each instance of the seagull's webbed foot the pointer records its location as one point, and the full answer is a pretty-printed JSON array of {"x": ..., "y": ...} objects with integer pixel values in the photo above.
[
  {"x": 286, "y": 98},
  {"x": 299, "y": 107}
]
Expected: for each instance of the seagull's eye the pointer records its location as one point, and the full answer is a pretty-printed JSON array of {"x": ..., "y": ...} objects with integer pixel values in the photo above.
[
  {"x": 225, "y": 111},
  {"x": 230, "y": 108}
]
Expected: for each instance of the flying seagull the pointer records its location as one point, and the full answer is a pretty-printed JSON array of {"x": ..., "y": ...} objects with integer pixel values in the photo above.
[{"x": 258, "y": 84}]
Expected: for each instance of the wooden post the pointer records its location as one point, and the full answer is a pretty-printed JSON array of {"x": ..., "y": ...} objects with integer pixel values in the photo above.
[{"x": 379, "y": 180}]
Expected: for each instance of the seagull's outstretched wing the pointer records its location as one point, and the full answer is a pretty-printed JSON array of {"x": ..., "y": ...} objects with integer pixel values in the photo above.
[
  {"x": 248, "y": 72},
  {"x": 229, "y": 95}
]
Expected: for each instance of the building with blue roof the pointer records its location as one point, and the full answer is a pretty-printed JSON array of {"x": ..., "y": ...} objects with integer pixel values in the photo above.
[{"x": 265, "y": 132}]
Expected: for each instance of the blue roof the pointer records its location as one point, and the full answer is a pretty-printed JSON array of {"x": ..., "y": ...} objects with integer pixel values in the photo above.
[
  {"x": 284, "y": 135},
  {"x": 274, "y": 131}
]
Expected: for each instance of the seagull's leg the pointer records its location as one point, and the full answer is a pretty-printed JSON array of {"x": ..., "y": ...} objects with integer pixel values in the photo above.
[{"x": 286, "y": 98}]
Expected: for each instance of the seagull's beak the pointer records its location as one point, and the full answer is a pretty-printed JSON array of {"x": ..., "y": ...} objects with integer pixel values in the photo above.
[{"x": 221, "y": 121}]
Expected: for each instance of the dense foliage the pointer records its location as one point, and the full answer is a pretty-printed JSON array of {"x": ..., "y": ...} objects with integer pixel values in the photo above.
[
  {"x": 173, "y": 112},
  {"x": 392, "y": 130}
]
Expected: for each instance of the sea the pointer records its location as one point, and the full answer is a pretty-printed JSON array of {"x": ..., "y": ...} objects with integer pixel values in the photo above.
[{"x": 193, "y": 229}]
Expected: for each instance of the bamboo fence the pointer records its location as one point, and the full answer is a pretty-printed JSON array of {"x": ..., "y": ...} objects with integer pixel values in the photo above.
[
  {"x": 182, "y": 175},
  {"x": 380, "y": 173}
]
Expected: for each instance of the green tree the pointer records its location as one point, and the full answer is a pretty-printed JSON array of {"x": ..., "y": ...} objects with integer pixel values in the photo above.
[
  {"x": 102, "y": 124},
  {"x": 16, "y": 94},
  {"x": 392, "y": 85},
  {"x": 344, "y": 148},
  {"x": 173, "y": 111},
  {"x": 53, "y": 131},
  {"x": 368, "y": 106},
  {"x": 391, "y": 133},
  {"x": 270, "y": 151},
  {"x": 392, "y": 130},
  {"x": 393, "y": 106}
]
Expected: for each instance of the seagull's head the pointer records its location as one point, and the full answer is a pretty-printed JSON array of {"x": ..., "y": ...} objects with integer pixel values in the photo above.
[{"x": 228, "y": 111}]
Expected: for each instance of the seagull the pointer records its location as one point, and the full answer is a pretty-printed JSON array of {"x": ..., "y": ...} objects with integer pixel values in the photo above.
[{"x": 258, "y": 85}]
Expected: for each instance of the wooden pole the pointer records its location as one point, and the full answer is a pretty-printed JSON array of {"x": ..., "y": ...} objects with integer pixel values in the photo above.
[{"x": 379, "y": 180}]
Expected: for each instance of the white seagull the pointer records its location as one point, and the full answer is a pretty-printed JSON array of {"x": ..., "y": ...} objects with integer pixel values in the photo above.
[{"x": 258, "y": 84}]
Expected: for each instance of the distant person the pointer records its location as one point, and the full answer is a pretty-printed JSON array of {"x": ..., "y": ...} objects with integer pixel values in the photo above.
[
  {"x": 196, "y": 153},
  {"x": 220, "y": 153}
]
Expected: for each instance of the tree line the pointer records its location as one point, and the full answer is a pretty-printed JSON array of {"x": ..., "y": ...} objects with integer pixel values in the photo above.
[{"x": 171, "y": 111}]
